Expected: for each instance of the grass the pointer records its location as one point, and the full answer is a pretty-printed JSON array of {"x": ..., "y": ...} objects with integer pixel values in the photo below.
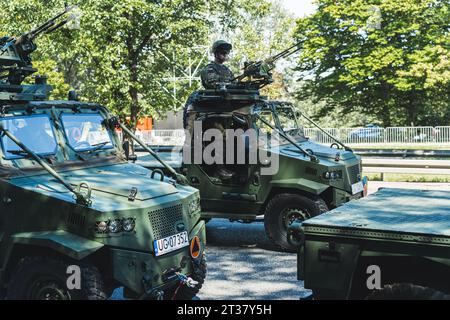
[{"x": 394, "y": 177}]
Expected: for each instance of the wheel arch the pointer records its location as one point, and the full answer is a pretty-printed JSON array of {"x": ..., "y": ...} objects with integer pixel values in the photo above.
[
  {"x": 398, "y": 269},
  {"x": 54, "y": 244},
  {"x": 277, "y": 189}
]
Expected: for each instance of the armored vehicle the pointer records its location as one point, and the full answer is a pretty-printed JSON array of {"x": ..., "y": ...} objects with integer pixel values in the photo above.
[
  {"x": 308, "y": 179},
  {"x": 76, "y": 218},
  {"x": 394, "y": 244},
  {"x": 302, "y": 179}
]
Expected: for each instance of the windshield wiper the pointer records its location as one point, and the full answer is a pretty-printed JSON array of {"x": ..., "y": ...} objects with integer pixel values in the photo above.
[
  {"x": 97, "y": 147},
  {"x": 79, "y": 197},
  {"x": 18, "y": 152}
]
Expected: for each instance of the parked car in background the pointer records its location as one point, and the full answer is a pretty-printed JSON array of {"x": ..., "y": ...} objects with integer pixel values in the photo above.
[{"x": 370, "y": 133}]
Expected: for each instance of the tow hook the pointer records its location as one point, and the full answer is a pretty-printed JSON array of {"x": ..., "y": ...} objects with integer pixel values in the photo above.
[
  {"x": 157, "y": 295},
  {"x": 184, "y": 281},
  {"x": 187, "y": 281}
]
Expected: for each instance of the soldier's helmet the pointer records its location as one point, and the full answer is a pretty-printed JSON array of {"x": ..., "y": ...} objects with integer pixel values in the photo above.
[{"x": 221, "y": 45}]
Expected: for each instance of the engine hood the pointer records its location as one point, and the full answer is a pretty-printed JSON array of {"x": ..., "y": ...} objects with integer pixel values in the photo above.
[
  {"x": 317, "y": 149},
  {"x": 112, "y": 180}
]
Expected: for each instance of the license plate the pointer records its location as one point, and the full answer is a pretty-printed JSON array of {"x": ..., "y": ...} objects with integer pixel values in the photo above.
[
  {"x": 172, "y": 243},
  {"x": 357, "y": 187}
]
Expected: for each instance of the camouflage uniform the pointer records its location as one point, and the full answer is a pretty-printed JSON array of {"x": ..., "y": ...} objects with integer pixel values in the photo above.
[{"x": 215, "y": 73}]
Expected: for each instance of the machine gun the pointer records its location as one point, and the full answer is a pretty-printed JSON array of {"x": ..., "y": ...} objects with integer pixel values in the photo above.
[
  {"x": 258, "y": 74},
  {"x": 15, "y": 59}
]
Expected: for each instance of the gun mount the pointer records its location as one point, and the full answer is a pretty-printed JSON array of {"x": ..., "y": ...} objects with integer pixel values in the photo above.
[
  {"x": 245, "y": 88},
  {"x": 257, "y": 75},
  {"x": 16, "y": 63}
]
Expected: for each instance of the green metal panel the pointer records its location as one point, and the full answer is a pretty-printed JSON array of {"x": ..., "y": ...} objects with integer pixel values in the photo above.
[
  {"x": 61, "y": 241},
  {"x": 395, "y": 214}
]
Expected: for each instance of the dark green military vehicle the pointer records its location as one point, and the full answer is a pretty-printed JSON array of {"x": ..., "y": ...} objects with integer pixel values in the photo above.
[
  {"x": 74, "y": 210},
  {"x": 307, "y": 178},
  {"x": 394, "y": 244},
  {"x": 293, "y": 177}
]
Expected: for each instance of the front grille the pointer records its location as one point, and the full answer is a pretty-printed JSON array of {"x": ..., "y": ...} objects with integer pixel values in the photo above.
[
  {"x": 354, "y": 173},
  {"x": 163, "y": 221},
  {"x": 75, "y": 219}
]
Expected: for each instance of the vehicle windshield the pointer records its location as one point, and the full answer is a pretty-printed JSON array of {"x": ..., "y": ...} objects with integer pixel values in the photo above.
[
  {"x": 35, "y": 132},
  {"x": 288, "y": 122},
  {"x": 86, "y": 132}
]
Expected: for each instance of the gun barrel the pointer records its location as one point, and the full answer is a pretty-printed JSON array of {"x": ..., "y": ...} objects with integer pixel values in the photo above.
[{"x": 46, "y": 26}]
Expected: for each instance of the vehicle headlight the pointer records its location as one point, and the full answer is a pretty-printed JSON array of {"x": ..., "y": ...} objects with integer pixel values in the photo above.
[
  {"x": 194, "y": 206},
  {"x": 333, "y": 175},
  {"x": 102, "y": 226},
  {"x": 115, "y": 226},
  {"x": 128, "y": 224}
]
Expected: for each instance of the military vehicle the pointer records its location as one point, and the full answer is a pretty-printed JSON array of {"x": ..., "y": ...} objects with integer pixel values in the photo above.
[
  {"x": 77, "y": 219},
  {"x": 394, "y": 244},
  {"x": 311, "y": 178}
]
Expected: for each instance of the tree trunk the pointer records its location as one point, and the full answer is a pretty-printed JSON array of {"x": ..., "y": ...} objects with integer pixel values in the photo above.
[{"x": 385, "y": 97}]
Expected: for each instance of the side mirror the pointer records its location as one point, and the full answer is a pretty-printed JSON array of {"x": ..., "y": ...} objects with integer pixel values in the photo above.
[{"x": 126, "y": 149}]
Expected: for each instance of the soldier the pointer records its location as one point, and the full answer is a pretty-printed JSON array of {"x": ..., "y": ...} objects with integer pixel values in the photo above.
[{"x": 216, "y": 72}]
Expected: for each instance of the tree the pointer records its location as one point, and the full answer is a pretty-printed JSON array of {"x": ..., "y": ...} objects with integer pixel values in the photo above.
[
  {"x": 121, "y": 55},
  {"x": 260, "y": 30},
  {"x": 386, "y": 58},
  {"x": 117, "y": 56}
]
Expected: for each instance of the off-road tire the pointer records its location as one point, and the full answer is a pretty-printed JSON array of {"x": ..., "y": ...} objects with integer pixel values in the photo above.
[
  {"x": 407, "y": 291},
  {"x": 199, "y": 275},
  {"x": 276, "y": 231},
  {"x": 30, "y": 269}
]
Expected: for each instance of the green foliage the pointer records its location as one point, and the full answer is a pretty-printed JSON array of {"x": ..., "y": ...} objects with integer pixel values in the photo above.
[
  {"x": 122, "y": 55},
  {"x": 117, "y": 57},
  {"x": 261, "y": 30},
  {"x": 388, "y": 59}
]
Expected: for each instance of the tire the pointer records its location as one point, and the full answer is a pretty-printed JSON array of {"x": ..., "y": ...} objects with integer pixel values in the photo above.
[
  {"x": 278, "y": 210},
  {"x": 407, "y": 291},
  {"x": 44, "y": 278},
  {"x": 199, "y": 275}
]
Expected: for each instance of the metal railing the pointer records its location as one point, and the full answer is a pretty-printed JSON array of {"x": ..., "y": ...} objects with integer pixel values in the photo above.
[
  {"x": 378, "y": 135},
  {"x": 351, "y": 136}
]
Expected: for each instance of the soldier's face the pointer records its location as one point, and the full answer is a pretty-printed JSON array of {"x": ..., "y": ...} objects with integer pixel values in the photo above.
[{"x": 222, "y": 56}]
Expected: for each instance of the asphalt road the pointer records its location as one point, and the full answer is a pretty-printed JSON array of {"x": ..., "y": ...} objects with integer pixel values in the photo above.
[{"x": 243, "y": 264}]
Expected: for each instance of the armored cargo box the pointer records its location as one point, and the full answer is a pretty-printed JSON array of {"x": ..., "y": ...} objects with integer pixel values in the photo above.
[{"x": 404, "y": 235}]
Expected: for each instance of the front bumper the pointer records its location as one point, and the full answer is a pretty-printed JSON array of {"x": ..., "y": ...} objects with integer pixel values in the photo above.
[
  {"x": 143, "y": 273},
  {"x": 342, "y": 196}
]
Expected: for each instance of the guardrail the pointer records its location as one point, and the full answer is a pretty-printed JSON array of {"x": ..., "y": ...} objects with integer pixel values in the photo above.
[
  {"x": 403, "y": 166},
  {"x": 351, "y": 136},
  {"x": 378, "y": 135}
]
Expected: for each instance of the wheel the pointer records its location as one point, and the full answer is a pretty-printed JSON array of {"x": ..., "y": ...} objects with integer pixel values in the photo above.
[
  {"x": 43, "y": 278},
  {"x": 407, "y": 291},
  {"x": 282, "y": 210},
  {"x": 198, "y": 274}
]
